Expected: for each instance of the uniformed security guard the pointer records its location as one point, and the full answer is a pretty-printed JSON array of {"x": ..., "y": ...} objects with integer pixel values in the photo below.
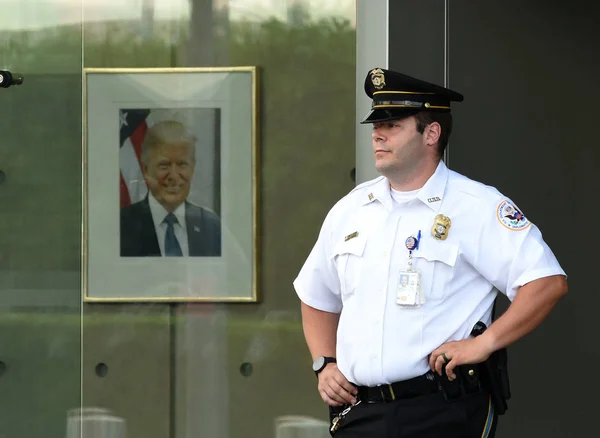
[{"x": 405, "y": 266}]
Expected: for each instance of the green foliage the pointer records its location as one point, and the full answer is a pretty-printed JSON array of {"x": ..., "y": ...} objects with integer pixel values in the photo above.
[
  {"x": 307, "y": 95},
  {"x": 307, "y": 106}
]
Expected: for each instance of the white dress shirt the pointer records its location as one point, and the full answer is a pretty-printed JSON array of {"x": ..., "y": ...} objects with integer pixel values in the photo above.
[
  {"x": 158, "y": 216},
  {"x": 354, "y": 268}
]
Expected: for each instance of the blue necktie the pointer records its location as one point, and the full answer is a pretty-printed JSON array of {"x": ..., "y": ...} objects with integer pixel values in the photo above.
[{"x": 172, "y": 248}]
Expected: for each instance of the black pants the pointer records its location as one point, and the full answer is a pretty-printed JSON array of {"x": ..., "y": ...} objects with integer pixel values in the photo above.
[{"x": 427, "y": 416}]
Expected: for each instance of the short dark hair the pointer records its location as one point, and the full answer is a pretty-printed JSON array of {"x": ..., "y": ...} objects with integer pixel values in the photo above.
[{"x": 425, "y": 118}]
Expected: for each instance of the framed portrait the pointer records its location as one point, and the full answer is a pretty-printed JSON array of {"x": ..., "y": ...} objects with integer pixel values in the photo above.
[{"x": 171, "y": 185}]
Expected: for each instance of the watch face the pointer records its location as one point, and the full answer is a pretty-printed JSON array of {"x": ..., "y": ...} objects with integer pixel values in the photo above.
[{"x": 318, "y": 363}]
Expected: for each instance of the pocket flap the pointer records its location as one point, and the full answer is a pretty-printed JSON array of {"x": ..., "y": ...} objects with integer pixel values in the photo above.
[
  {"x": 354, "y": 246},
  {"x": 438, "y": 252}
]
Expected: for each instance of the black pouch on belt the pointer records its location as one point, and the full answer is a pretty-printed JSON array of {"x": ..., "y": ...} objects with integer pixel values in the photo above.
[
  {"x": 451, "y": 389},
  {"x": 495, "y": 374},
  {"x": 469, "y": 378}
]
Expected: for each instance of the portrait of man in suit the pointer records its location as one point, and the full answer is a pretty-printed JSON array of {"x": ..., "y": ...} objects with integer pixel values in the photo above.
[{"x": 165, "y": 223}]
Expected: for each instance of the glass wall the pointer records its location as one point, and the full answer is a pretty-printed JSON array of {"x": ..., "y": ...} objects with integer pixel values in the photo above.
[
  {"x": 164, "y": 369},
  {"x": 40, "y": 171}
]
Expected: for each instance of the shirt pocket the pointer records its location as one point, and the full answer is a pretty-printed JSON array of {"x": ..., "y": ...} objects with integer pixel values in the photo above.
[
  {"x": 436, "y": 261},
  {"x": 348, "y": 257}
]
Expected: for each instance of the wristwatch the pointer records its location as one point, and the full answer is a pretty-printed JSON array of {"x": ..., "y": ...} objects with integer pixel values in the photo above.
[{"x": 321, "y": 362}]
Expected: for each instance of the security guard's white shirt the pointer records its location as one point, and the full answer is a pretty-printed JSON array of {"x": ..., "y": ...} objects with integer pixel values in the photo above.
[{"x": 355, "y": 265}]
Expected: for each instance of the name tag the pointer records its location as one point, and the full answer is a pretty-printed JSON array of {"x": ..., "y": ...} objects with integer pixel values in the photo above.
[{"x": 351, "y": 236}]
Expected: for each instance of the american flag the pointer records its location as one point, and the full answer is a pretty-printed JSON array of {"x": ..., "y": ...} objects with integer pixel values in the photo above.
[{"x": 134, "y": 124}]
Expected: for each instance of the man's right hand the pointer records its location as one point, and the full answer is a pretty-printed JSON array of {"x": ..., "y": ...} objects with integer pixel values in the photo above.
[{"x": 335, "y": 390}]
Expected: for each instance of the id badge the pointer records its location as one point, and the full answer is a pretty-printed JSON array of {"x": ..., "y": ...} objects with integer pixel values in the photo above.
[{"x": 409, "y": 288}]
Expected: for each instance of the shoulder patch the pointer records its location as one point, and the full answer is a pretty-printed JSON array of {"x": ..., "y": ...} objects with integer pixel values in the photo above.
[{"x": 510, "y": 217}]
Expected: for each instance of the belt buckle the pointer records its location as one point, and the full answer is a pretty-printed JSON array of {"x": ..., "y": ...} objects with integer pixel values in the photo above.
[{"x": 384, "y": 396}]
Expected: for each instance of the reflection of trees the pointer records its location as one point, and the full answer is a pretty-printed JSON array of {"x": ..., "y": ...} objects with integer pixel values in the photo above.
[
  {"x": 298, "y": 14},
  {"x": 147, "y": 18},
  {"x": 307, "y": 103},
  {"x": 200, "y": 42}
]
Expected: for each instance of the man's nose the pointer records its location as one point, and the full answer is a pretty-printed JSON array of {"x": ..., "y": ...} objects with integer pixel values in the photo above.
[
  {"x": 173, "y": 171},
  {"x": 377, "y": 136}
]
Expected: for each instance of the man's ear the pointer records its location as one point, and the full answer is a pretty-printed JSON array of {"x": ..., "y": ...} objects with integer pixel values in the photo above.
[{"x": 432, "y": 133}]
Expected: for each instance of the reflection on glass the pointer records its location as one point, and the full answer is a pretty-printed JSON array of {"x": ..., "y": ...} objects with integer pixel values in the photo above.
[
  {"x": 40, "y": 143},
  {"x": 175, "y": 369},
  {"x": 92, "y": 422}
]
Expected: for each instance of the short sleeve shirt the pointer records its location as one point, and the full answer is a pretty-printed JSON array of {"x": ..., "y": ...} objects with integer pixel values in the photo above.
[{"x": 354, "y": 269}]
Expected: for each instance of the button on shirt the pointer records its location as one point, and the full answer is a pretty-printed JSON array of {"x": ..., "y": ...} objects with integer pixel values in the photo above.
[
  {"x": 354, "y": 268},
  {"x": 158, "y": 216}
]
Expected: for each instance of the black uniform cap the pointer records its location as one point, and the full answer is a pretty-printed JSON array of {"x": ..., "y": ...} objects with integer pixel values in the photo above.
[{"x": 396, "y": 96}]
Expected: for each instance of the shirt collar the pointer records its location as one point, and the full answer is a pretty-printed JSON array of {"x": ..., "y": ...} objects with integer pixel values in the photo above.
[
  {"x": 431, "y": 194},
  {"x": 159, "y": 212},
  {"x": 380, "y": 191}
]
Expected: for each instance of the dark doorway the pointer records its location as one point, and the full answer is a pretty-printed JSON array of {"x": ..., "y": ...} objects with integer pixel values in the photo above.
[{"x": 528, "y": 126}]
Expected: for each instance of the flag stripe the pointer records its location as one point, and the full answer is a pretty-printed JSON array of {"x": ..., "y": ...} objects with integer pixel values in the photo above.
[
  {"x": 125, "y": 199},
  {"x": 137, "y": 138},
  {"x": 133, "y": 129},
  {"x": 132, "y": 172}
]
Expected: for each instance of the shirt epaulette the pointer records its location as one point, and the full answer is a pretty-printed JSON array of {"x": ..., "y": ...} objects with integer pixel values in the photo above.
[
  {"x": 471, "y": 187},
  {"x": 367, "y": 184}
]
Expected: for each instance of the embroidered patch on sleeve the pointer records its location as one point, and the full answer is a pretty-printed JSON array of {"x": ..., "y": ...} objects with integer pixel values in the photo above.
[{"x": 511, "y": 217}]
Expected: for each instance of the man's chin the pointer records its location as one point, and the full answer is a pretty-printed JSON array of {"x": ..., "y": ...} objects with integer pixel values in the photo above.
[
  {"x": 383, "y": 168},
  {"x": 172, "y": 202}
]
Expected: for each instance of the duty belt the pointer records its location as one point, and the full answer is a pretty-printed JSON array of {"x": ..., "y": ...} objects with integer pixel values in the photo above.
[
  {"x": 467, "y": 382},
  {"x": 421, "y": 385}
]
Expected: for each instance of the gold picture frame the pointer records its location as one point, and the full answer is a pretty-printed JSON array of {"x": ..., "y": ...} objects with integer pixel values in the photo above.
[{"x": 188, "y": 145}]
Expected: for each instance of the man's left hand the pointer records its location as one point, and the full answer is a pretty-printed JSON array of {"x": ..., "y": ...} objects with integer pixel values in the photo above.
[{"x": 467, "y": 351}]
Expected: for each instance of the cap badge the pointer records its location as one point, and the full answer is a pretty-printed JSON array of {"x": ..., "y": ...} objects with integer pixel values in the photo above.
[
  {"x": 378, "y": 78},
  {"x": 441, "y": 226}
]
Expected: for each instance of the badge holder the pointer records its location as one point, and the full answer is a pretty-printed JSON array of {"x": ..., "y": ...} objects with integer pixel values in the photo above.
[{"x": 409, "y": 285}]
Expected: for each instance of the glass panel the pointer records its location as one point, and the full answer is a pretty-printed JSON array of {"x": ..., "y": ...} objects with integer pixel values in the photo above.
[
  {"x": 40, "y": 174},
  {"x": 157, "y": 369}
]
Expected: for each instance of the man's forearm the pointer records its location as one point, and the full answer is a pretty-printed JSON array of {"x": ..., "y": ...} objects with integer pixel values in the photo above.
[
  {"x": 531, "y": 306},
  {"x": 320, "y": 330}
]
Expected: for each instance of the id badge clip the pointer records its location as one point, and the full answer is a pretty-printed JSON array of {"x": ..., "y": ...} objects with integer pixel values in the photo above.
[{"x": 409, "y": 284}]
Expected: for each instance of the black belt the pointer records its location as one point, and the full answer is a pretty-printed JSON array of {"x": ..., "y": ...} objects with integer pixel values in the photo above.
[{"x": 421, "y": 385}]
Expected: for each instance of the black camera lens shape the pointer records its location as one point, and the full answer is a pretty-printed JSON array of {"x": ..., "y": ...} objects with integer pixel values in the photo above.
[{"x": 7, "y": 79}]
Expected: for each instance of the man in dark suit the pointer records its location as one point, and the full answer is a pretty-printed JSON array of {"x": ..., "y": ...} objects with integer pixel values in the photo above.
[{"x": 164, "y": 223}]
